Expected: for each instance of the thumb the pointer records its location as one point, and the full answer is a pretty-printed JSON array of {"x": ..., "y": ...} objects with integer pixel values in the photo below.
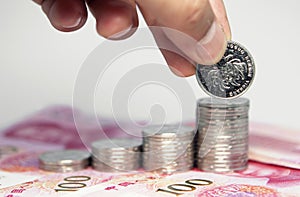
[{"x": 204, "y": 40}]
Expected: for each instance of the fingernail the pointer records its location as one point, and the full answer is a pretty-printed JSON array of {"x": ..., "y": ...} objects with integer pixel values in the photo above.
[
  {"x": 211, "y": 48},
  {"x": 121, "y": 34},
  {"x": 59, "y": 18}
]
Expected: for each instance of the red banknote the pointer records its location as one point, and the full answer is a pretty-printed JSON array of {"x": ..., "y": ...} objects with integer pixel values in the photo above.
[
  {"x": 57, "y": 125},
  {"x": 54, "y": 128},
  {"x": 274, "y": 145}
]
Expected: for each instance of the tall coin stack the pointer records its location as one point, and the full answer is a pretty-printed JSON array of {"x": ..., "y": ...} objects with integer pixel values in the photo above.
[
  {"x": 114, "y": 155},
  {"x": 168, "y": 148},
  {"x": 222, "y": 129},
  {"x": 64, "y": 160}
]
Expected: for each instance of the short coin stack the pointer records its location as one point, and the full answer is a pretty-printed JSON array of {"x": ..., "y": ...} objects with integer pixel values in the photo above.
[
  {"x": 64, "y": 160},
  {"x": 113, "y": 155},
  {"x": 168, "y": 148},
  {"x": 222, "y": 127}
]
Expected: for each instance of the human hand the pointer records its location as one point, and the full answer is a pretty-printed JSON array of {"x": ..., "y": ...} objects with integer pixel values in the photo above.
[{"x": 204, "y": 21}]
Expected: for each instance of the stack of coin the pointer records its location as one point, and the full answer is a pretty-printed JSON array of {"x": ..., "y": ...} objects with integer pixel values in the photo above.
[
  {"x": 64, "y": 160},
  {"x": 168, "y": 148},
  {"x": 114, "y": 155},
  {"x": 222, "y": 127}
]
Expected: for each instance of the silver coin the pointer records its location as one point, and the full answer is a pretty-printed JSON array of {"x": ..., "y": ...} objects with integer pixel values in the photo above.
[
  {"x": 159, "y": 138},
  {"x": 222, "y": 129},
  {"x": 161, "y": 157},
  {"x": 218, "y": 144},
  {"x": 231, "y": 166},
  {"x": 178, "y": 152},
  {"x": 224, "y": 147},
  {"x": 223, "y": 124},
  {"x": 222, "y": 144},
  {"x": 117, "y": 144},
  {"x": 168, "y": 145},
  {"x": 221, "y": 164},
  {"x": 117, "y": 162},
  {"x": 231, "y": 76},
  {"x": 63, "y": 168},
  {"x": 115, "y": 153},
  {"x": 112, "y": 155},
  {"x": 175, "y": 166},
  {"x": 221, "y": 120},
  {"x": 219, "y": 132},
  {"x": 228, "y": 114},
  {"x": 222, "y": 150},
  {"x": 166, "y": 163},
  {"x": 224, "y": 160},
  {"x": 222, "y": 116},
  {"x": 235, "y": 111},
  {"x": 64, "y": 157},
  {"x": 207, "y": 151},
  {"x": 229, "y": 162},
  {"x": 215, "y": 103},
  {"x": 167, "y": 131},
  {"x": 108, "y": 160},
  {"x": 211, "y": 156},
  {"x": 224, "y": 168},
  {"x": 166, "y": 157},
  {"x": 214, "y": 135}
]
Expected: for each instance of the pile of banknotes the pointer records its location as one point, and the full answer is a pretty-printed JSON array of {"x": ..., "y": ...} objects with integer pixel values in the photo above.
[{"x": 272, "y": 170}]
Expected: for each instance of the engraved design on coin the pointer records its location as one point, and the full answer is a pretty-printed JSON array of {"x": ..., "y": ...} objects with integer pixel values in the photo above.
[{"x": 231, "y": 76}]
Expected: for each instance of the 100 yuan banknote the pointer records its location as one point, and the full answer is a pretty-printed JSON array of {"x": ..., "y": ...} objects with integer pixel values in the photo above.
[
  {"x": 259, "y": 180},
  {"x": 274, "y": 145}
]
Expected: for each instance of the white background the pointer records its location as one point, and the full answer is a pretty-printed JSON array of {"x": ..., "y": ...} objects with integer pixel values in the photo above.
[{"x": 39, "y": 64}]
